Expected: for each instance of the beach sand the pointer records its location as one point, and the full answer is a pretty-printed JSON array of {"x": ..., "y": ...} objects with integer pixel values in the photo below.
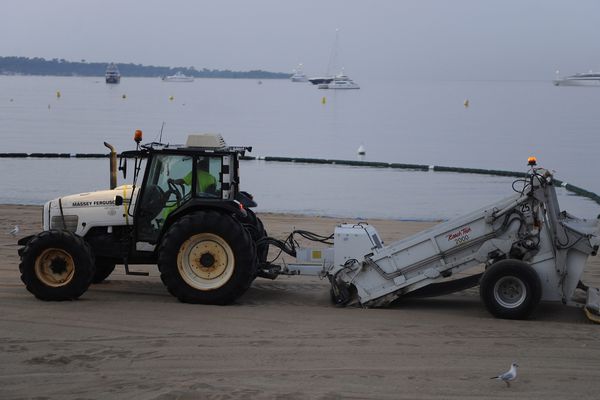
[{"x": 128, "y": 338}]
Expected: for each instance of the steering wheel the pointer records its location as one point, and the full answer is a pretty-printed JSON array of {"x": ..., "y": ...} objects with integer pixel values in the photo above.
[{"x": 179, "y": 195}]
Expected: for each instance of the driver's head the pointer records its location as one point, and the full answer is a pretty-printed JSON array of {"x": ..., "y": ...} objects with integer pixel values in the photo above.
[{"x": 203, "y": 163}]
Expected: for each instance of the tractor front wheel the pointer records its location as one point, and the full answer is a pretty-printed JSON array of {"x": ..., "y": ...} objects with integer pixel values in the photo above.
[
  {"x": 57, "y": 265},
  {"x": 207, "y": 257}
]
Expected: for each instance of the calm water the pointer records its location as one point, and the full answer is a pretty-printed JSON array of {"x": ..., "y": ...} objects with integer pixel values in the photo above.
[{"x": 402, "y": 121}]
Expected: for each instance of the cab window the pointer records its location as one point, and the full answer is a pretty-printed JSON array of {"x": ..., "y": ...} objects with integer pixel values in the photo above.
[{"x": 208, "y": 173}]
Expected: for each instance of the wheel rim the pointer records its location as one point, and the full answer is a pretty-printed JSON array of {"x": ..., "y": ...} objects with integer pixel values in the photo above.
[
  {"x": 54, "y": 267},
  {"x": 205, "y": 261},
  {"x": 510, "y": 292}
]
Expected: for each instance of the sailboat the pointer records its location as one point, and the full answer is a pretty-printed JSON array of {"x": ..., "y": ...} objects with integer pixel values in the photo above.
[
  {"x": 320, "y": 80},
  {"x": 340, "y": 81}
]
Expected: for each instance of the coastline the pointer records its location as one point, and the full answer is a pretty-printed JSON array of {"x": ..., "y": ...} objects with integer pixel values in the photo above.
[{"x": 129, "y": 338}]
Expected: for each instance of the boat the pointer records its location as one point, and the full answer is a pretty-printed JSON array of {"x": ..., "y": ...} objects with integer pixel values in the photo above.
[
  {"x": 340, "y": 82},
  {"x": 298, "y": 75},
  {"x": 581, "y": 79},
  {"x": 112, "y": 74},
  {"x": 178, "y": 77},
  {"x": 320, "y": 80},
  {"x": 331, "y": 65}
]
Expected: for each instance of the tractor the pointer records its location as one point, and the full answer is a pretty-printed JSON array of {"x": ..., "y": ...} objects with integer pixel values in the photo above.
[{"x": 187, "y": 215}]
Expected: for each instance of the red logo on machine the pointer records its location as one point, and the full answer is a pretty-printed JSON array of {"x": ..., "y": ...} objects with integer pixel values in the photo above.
[{"x": 460, "y": 233}]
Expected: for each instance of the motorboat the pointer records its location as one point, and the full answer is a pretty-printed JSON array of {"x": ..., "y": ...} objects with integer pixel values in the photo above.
[
  {"x": 298, "y": 75},
  {"x": 340, "y": 82},
  {"x": 581, "y": 79},
  {"x": 112, "y": 74},
  {"x": 178, "y": 77}
]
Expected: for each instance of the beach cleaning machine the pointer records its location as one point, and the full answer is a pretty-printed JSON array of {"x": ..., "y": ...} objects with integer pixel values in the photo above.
[
  {"x": 525, "y": 248},
  {"x": 187, "y": 214}
]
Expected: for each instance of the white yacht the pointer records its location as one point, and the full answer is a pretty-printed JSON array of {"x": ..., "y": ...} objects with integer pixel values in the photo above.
[
  {"x": 582, "y": 79},
  {"x": 112, "y": 74},
  {"x": 340, "y": 82},
  {"x": 298, "y": 75},
  {"x": 178, "y": 77}
]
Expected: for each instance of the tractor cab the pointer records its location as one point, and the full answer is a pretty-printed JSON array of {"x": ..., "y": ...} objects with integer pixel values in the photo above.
[{"x": 179, "y": 179}]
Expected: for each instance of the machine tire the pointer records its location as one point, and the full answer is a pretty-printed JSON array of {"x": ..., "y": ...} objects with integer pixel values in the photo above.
[
  {"x": 510, "y": 289},
  {"x": 104, "y": 267},
  {"x": 57, "y": 265},
  {"x": 205, "y": 243}
]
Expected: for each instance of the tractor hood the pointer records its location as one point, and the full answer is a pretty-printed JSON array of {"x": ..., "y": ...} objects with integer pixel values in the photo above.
[{"x": 81, "y": 212}]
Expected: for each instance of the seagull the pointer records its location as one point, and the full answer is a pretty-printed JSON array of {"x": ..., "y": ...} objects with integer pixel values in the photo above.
[
  {"x": 14, "y": 231},
  {"x": 509, "y": 375}
]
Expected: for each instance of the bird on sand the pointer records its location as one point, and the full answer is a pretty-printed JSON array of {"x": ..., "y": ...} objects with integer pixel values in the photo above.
[
  {"x": 509, "y": 375},
  {"x": 14, "y": 231}
]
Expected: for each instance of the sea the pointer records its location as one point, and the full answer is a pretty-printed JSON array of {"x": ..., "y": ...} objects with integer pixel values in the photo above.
[{"x": 472, "y": 124}]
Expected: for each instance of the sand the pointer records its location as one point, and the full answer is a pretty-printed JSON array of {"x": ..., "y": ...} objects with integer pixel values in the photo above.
[{"x": 128, "y": 338}]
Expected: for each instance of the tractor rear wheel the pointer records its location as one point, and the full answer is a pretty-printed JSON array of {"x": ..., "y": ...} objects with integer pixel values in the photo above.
[
  {"x": 57, "y": 265},
  {"x": 262, "y": 250},
  {"x": 510, "y": 289},
  {"x": 207, "y": 257},
  {"x": 257, "y": 231},
  {"x": 104, "y": 267}
]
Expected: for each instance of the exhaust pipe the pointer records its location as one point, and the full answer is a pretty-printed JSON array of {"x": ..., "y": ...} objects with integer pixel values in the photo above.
[{"x": 113, "y": 165}]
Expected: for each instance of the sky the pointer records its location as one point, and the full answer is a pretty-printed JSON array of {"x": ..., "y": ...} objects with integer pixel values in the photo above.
[{"x": 385, "y": 39}]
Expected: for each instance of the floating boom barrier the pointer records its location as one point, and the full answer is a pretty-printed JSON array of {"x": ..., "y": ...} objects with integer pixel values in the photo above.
[
  {"x": 355, "y": 163},
  {"x": 54, "y": 155}
]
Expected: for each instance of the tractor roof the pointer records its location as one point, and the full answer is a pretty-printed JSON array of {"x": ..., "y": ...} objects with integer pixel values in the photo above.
[{"x": 197, "y": 143}]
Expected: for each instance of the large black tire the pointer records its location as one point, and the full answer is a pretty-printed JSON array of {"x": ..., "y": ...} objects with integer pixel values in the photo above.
[
  {"x": 262, "y": 251},
  {"x": 104, "y": 267},
  {"x": 57, "y": 265},
  {"x": 510, "y": 289},
  {"x": 257, "y": 231},
  {"x": 207, "y": 257}
]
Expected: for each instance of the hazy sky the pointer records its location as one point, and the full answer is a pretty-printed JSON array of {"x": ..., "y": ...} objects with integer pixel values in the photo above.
[{"x": 444, "y": 39}]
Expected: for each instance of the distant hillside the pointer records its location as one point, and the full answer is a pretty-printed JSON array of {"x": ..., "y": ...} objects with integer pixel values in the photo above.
[{"x": 41, "y": 66}]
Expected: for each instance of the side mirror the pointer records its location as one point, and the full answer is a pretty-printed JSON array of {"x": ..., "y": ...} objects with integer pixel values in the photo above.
[
  {"x": 118, "y": 200},
  {"x": 123, "y": 166}
]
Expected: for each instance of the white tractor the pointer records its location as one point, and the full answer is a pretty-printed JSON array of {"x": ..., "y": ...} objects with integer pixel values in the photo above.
[{"x": 187, "y": 215}]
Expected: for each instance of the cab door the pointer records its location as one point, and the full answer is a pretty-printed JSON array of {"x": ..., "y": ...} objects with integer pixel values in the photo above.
[{"x": 167, "y": 187}]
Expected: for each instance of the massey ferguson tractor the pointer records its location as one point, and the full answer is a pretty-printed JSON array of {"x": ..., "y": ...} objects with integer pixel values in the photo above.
[{"x": 187, "y": 215}]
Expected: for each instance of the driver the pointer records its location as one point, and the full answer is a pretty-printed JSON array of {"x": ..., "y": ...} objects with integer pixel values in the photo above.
[{"x": 206, "y": 183}]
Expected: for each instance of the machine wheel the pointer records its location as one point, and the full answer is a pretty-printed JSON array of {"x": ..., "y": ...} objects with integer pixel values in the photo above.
[
  {"x": 510, "y": 289},
  {"x": 207, "y": 257},
  {"x": 104, "y": 267},
  {"x": 57, "y": 265}
]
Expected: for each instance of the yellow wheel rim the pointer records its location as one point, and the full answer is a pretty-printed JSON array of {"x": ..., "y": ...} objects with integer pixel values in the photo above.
[
  {"x": 205, "y": 261},
  {"x": 54, "y": 267}
]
